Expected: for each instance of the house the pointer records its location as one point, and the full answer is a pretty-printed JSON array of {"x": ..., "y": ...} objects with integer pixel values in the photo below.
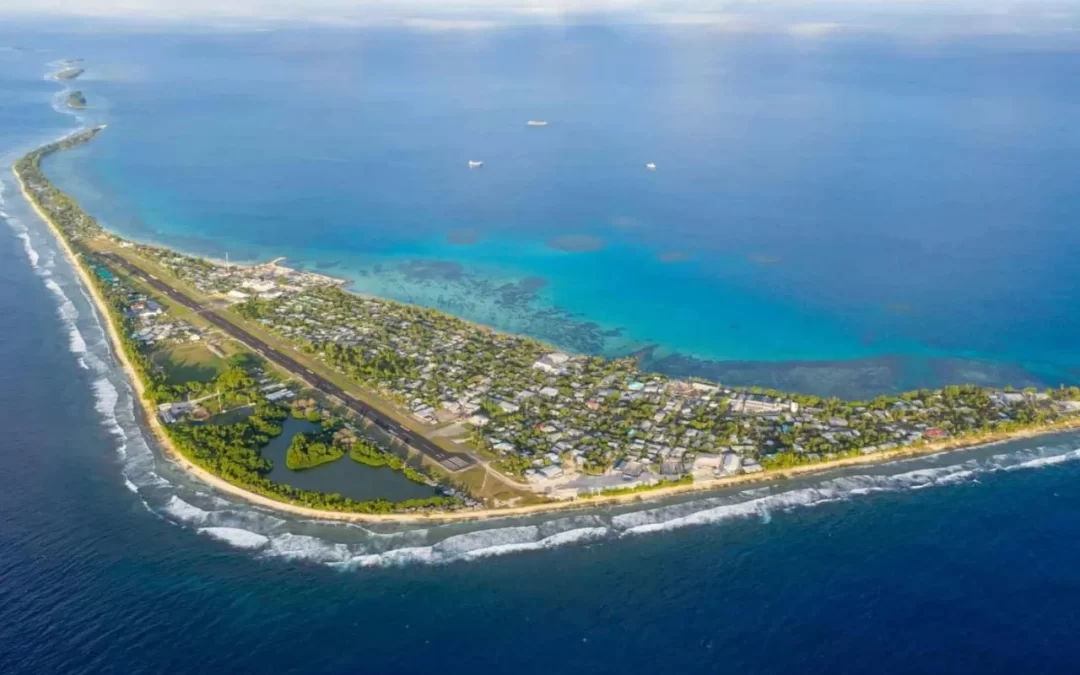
[
  {"x": 562, "y": 494},
  {"x": 259, "y": 285},
  {"x": 706, "y": 465},
  {"x": 633, "y": 469},
  {"x": 756, "y": 404},
  {"x": 671, "y": 467},
  {"x": 731, "y": 463},
  {"x": 551, "y": 472},
  {"x": 553, "y": 363},
  {"x": 171, "y": 412},
  {"x": 478, "y": 420}
]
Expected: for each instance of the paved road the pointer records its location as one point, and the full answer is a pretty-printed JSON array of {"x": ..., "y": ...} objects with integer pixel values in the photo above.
[{"x": 450, "y": 460}]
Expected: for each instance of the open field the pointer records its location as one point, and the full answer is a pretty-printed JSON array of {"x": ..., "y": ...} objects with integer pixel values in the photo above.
[{"x": 191, "y": 362}]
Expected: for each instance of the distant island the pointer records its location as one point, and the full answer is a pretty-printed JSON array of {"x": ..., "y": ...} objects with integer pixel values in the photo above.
[
  {"x": 69, "y": 73},
  {"x": 76, "y": 100},
  {"x": 501, "y": 424}
]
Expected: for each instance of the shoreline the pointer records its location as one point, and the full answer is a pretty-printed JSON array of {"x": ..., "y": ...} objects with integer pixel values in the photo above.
[{"x": 170, "y": 452}]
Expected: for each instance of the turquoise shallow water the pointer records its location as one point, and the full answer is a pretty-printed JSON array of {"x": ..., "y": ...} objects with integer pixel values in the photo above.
[{"x": 845, "y": 216}]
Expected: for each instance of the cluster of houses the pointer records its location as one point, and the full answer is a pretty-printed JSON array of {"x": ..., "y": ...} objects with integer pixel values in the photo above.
[
  {"x": 173, "y": 412},
  {"x": 153, "y": 326},
  {"x": 237, "y": 283},
  {"x": 276, "y": 392},
  {"x": 193, "y": 410}
]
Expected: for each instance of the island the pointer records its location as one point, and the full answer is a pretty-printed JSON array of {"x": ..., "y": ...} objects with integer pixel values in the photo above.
[
  {"x": 76, "y": 100},
  {"x": 500, "y": 424},
  {"x": 69, "y": 73}
]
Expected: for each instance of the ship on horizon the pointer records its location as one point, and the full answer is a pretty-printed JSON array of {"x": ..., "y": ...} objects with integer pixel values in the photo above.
[
  {"x": 651, "y": 166},
  {"x": 475, "y": 164},
  {"x": 536, "y": 123}
]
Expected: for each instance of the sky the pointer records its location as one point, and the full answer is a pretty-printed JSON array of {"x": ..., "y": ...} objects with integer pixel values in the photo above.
[{"x": 807, "y": 18}]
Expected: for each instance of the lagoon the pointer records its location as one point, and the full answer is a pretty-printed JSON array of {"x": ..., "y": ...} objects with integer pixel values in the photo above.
[
  {"x": 346, "y": 477},
  {"x": 853, "y": 218}
]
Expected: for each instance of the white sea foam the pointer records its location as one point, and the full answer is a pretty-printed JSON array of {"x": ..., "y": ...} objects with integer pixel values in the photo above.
[
  {"x": 67, "y": 308},
  {"x": 474, "y": 541},
  {"x": 395, "y": 558},
  {"x": 477, "y": 545},
  {"x": 68, "y": 313},
  {"x": 28, "y": 247},
  {"x": 181, "y": 510},
  {"x": 753, "y": 507},
  {"x": 130, "y": 486},
  {"x": 554, "y": 541},
  {"x": 304, "y": 547},
  {"x": 236, "y": 537},
  {"x": 105, "y": 396}
]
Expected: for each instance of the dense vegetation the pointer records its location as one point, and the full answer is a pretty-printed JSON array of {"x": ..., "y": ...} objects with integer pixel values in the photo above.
[
  {"x": 308, "y": 450},
  {"x": 366, "y": 452},
  {"x": 232, "y": 452},
  {"x": 64, "y": 211}
]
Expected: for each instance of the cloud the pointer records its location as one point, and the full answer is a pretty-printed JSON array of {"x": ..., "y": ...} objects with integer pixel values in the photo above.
[
  {"x": 801, "y": 18},
  {"x": 816, "y": 29}
]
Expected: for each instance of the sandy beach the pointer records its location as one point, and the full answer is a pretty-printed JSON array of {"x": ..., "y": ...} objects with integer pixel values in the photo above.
[{"x": 170, "y": 452}]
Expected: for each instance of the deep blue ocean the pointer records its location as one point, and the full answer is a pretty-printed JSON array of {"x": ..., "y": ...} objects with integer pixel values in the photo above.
[{"x": 112, "y": 561}]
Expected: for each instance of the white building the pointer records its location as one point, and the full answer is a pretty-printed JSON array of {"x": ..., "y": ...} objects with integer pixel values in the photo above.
[
  {"x": 731, "y": 463},
  {"x": 553, "y": 363}
]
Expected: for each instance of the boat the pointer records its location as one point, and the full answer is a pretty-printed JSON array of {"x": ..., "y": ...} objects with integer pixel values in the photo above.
[
  {"x": 475, "y": 164},
  {"x": 536, "y": 123},
  {"x": 651, "y": 166}
]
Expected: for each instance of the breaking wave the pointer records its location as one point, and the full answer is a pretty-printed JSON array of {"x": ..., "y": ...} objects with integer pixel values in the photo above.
[
  {"x": 236, "y": 537},
  {"x": 31, "y": 253}
]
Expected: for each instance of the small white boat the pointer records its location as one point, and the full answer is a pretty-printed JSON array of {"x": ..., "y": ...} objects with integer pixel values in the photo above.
[
  {"x": 536, "y": 123},
  {"x": 651, "y": 166},
  {"x": 475, "y": 164}
]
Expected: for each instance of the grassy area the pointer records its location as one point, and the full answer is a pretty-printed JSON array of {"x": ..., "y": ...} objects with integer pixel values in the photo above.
[
  {"x": 481, "y": 486},
  {"x": 234, "y": 416},
  {"x": 188, "y": 362}
]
